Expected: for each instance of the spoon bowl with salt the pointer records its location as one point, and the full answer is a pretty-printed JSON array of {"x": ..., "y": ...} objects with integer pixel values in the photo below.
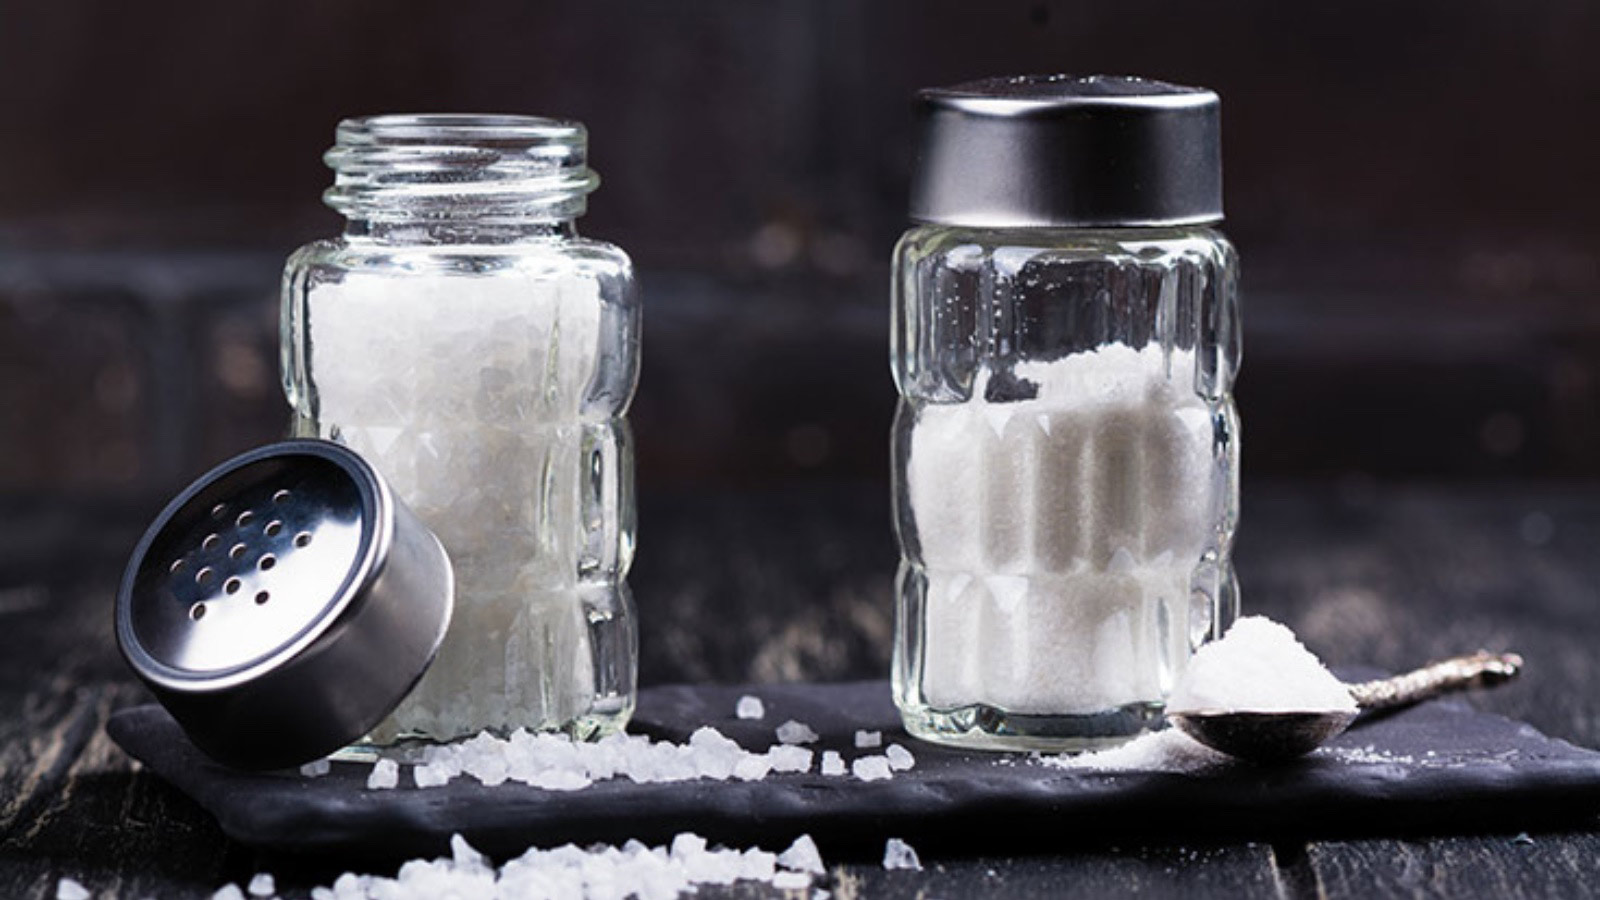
[
  {"x": 1280, "y": 735},
  {"x": 1259, "y": 695}
]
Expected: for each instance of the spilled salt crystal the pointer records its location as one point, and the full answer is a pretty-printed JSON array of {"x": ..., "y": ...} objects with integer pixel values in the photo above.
[
  {"x": 832, "y": 763},
  {"x": 898, "y": 854},
  {"x": 900, "y": 759},
  {"x": 262, "y": 885},
  {"x": 750, "y": 708},
  {"x": 1258, "y": 666},
  {"x": 68, "y": 889},
  {"x": 789, "y": 758},
  {"x": 802, "y": 856},
  {"x": 791, "y": 881},
  {"x": 871, "y": 768},
  {"x": 316, "y": 768},
  {"x": 868, "y": 739},
  {"x": 385, "y": 775},
  {"x": 792, "y": 732},
  {"x": 226, "y": 892}
]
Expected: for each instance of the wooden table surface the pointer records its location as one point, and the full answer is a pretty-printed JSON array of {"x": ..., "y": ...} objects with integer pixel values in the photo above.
[{"x": 1387, "y": 576}]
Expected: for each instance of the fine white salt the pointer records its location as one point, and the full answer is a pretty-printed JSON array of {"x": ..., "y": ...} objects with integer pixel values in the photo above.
[
  {"x": 871, "y": 768},
  {"x": 898, "y": 854},
  {"x": 69, "y": 889},
  {"x": 900, "y": 759},
  {"x": 803, "y": 856},
  {"x": 601, "y": 871},
  {"x": 262, "y": 885},
  {"x": 832, "y": 763},
  {"x": 385, "y": 775},
  {"x": 476, "y": 417},
  {"x": 868, "y": 739},
  {"x": 1258, "y": 666},
  {"x": 1169, "y": 750},
  {"x": 792, "y": 732},
  {"x": 750, "y": 707},
  {"x": 1059, "y": 533}
]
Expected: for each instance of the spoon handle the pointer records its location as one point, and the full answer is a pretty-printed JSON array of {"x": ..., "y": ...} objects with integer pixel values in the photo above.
[{"x": 1481, "y": 669}]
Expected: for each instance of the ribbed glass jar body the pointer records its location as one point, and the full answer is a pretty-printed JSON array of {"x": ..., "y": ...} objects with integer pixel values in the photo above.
[
  {"x": 1066, "y": 455},
  {"x": 481, "y": 355}
]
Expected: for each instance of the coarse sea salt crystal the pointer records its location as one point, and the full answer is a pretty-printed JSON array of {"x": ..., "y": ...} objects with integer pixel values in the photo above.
[
  {"x": 1258, "y": 666},
  {"x": 385, "y": 775},
  {"x": 871, "y": 768},
  {"x": 792, "y": 732},
  {"x": 750, "y": 707},
  {"x": 791, "y": 881},
  {"x": 803, "y": 856},
  {"x": 70, "y": 889},
  {"x": 832, "y": 763},
  {"x": 868, "y": 739},
  {"x": 316, "y": 768},
  {"x": 900, "y": 759},
  {"x": 789, "y": 758},
  {"x": 262, "y": 885},
  {"x": 226, "y": 892},
  {"x": 898, "y": 854}
]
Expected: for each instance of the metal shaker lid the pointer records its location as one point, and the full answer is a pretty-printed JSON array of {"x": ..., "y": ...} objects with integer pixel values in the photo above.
[
  {"x": 284, "y": 604},
  {"x": 1059, "y": 150}
]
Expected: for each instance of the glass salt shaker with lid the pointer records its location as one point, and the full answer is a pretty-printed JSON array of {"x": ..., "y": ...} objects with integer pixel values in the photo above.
[
  {"x": 467, "y": 342},
  {"x": 1066, "y": 448}
]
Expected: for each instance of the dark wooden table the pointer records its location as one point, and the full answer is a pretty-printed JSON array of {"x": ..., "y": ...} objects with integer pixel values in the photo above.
[{"x": 1388, "y": 576}]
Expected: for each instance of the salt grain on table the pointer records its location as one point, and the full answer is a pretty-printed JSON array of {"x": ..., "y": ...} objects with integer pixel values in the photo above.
[
  {"x": 832, "y": 763},
  {"x": 792, "y": 732},
  {"x": 316, "y": 768},
  {"x": 900, "y": 759},
  {"x": 68, "y": 889},
  {"x": 228, "y": 892},
  {"x": 385, "y": 775},
  {"x": 802, "y": 856},
  {"x": 871, "y": 768},
  {"x": 262, "y": 885},
  {"x": 897, "y": 854},
  {"x": 866, "y": 740},
  {"x": 750, "y": 707}
]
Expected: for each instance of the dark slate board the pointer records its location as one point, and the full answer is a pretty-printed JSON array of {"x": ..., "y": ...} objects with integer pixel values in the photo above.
[{"x": 1486, "y": 773}]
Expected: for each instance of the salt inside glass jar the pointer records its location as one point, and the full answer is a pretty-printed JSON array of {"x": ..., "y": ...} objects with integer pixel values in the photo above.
[
  {"x": 1066, "y": 447},
  {"x": 463, "y": 338}
]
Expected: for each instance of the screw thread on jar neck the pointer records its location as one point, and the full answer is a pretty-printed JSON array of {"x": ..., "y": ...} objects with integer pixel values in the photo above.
[{"x": 459, "y": 177}]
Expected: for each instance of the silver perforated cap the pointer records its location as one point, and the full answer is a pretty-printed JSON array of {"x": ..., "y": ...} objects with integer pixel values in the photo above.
[
  {"x": 283, "y": 604},
  {"x": 1060, "y": 150}
]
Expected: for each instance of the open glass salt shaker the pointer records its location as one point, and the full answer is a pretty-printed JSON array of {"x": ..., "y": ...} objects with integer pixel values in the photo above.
[
  {"x": 1066, "y": 449},
  {"x": 481, "y": 355}
]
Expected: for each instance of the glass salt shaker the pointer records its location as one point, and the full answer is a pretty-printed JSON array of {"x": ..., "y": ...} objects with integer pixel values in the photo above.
[
  {"x": 1066, "y": 448},
  {"x": 467, "y": 342}
]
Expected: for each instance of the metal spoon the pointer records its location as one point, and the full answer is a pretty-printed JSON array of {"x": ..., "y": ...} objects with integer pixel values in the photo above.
[{"x": 1276, "y": 736}]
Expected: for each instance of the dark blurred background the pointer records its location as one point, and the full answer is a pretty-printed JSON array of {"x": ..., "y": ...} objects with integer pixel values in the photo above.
[{"x": 1411, "y": 185}]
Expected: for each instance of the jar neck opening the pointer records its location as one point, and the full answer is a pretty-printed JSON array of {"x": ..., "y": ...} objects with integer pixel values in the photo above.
[{"x": 459, "y": 172}]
